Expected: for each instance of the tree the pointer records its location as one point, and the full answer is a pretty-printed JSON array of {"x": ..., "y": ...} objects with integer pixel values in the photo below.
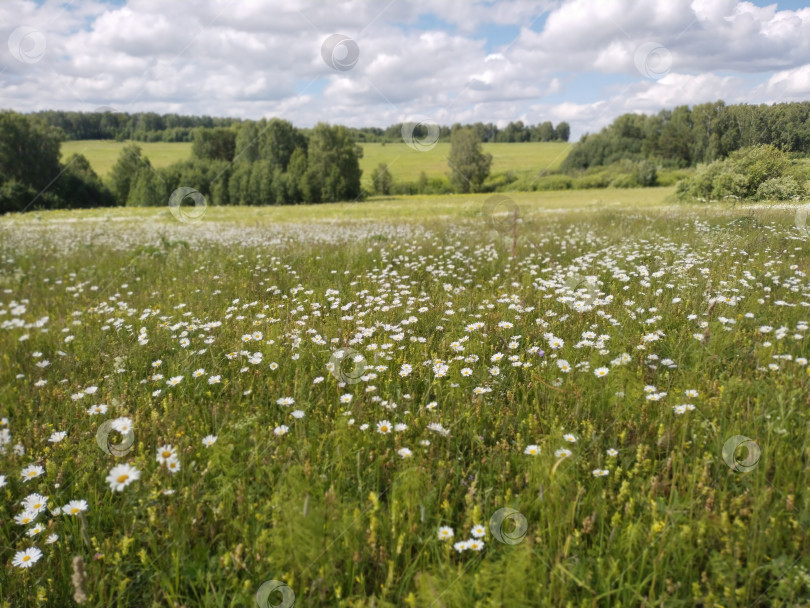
[
  {"x": 29, "y": 150},
  {"x": 468, "y": 163},
  {"x": 333, "y": 165},
  {"x": 381, "y": 180},
  {"x": 124, "y": 170},
  {"x": 546, "y": 131},
  {"x": 146, "y": 189},
  {"x": 214, "y": 144},
  {"x": 563, "y": 131},
  {"x": 80, "y": 187}
]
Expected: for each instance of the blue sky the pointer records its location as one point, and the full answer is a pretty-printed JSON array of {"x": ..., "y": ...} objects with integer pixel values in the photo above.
[{"x": 583, "y": 61}]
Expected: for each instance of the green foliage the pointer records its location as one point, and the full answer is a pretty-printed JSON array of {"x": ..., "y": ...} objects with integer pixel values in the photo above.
[
  {"x": 333, "y": 168},
  {"x": 685, "y": 137},
  {"x": 744, "y": 175},
  {"x": 129, "y": 162},
  {"x": 214, "y": 144},
  {"x": 381, "y": 180},
  {"x": 79, "y": 186},
  {"x": 469, "y": 165}
]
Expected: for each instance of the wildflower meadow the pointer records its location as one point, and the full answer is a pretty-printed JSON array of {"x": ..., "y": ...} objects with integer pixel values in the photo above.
[{"x": 515, "y": 403}]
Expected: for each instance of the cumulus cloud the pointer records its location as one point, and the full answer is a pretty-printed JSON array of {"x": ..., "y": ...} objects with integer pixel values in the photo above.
[{"x": 575, "y": 60}]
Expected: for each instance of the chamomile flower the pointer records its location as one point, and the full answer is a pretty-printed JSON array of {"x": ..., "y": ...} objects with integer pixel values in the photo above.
[
  {"x": 32, "y": 471},
  {"x": 166, "y": 453},
  {"x": 209, "y": 440},
  {"x": 27, "y": 558},
  {"x": 122, "y": 475},
  {"x": 383, "y": 427},
  {"x": 281, "y": 429},
  {"x": 532, "y": 450},
  {"x": 445, "y": 533},
  {"x": 74, "y": 507}
]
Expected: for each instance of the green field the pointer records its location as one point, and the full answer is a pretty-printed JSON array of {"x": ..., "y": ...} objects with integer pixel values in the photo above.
[
  {"x": 579, "y": 398},
  {"x": 404, "y": 162}
]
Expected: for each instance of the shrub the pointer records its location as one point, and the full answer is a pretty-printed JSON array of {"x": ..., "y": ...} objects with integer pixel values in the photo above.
[{"x": 779, "y": 189}]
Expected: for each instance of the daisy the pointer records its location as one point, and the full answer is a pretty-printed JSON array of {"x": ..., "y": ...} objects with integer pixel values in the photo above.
[
  {"x": 214, "y": 379},
  {"x": 74, "y": 507},
  {"x": 281, "y": 429},
  {"x": 173, "y": 465},
  {"x": 174, "y": 380},
  {"x": 612, "y": 453},
  {"x": 478, "y": 531},
  {"x": 51, "y": 539},
  {"x": 97, "y": 409},
  {"x": 562, "y": 453},
  {"x": 383, "y": 427},
  {"x": 404, "y": 452},
  {"x": 26, "y": 517},
  {"x": 2, "y": 480},
  {"x": 57, "y": 437},
  {"x": 347, "y": 398},
  {"x": 198, "y": 372},
  {"x": 35, "y": 502},
  {"x": 400, "y": 427},
  {"x": 461, "y": 546},
  {"x": 285, "y": 401},
  {"x": 120, "y": 476},
  {"x": 445, "y": 533},
  {"x": 690, "y": 392},
  {"x": 31, "y": 472},
  {"x": 475, "y": 545},
  {"x": 298, "y": 414},
  {"x": 209, "y": 440},
  {"x": 570, "y": 438},
  {"x": 601, "y": 372},
  {"x": 123, "y": 425},
  {"x": 600, "y": 472},
  {"x": 27, "y": 558},
  {"x": 532, "y": 450},
  {"x": 166, "y": 453}
]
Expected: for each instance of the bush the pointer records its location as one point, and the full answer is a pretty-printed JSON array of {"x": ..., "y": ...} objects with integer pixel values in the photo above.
[
  {"x": 779, "y": 189},
  {"x": 554, "y": 182},
  {"x": 742, "y": 174}
]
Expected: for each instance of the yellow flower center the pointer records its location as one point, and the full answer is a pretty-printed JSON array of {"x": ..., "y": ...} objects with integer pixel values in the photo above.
[
  {"x": 122, "y": 478},
  {"x": 26, "y": 558},
  {"x": 74, "y": 510}
]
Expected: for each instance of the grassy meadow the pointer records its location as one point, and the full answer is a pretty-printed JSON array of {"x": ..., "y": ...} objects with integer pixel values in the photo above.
[
  {"x": 575, "y": 398},
  {"x": 404, "y": 162}
]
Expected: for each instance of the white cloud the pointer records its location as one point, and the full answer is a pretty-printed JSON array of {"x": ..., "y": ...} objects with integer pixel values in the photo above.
[{"x": 260, "y": 58}]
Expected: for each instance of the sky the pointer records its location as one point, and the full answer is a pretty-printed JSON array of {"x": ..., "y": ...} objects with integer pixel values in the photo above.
[{"x": 380, "y": 62}]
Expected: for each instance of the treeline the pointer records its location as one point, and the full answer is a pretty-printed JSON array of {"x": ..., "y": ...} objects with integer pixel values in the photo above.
[
  {"x": 253, "y": 163},
  {"x": 151, "y": 127},
  {"x": 684, "y": 137},
  {"x": 260, "y": 163},
  {"x": 120, "y": 126},
  {"x": 31, "y": 174}
]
